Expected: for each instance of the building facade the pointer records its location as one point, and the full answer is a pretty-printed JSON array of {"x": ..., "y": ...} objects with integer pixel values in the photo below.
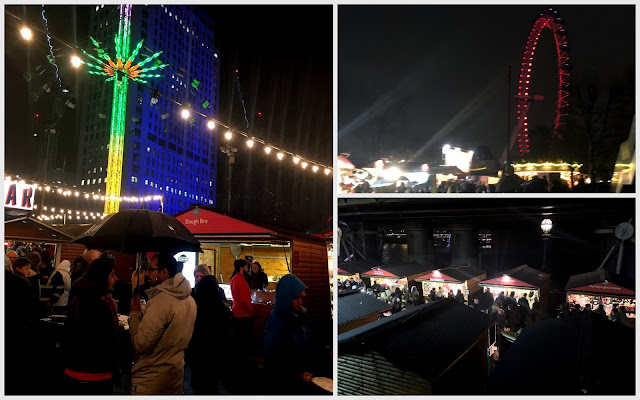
[{"x": 164, "y": 154}]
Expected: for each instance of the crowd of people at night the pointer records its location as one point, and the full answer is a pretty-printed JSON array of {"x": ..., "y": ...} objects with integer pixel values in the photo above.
[
  {"x": 170, "y": 325},
  {"x": 510, "y": 184}
]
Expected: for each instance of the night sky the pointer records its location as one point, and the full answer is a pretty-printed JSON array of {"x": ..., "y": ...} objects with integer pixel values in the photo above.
[
  {"x": 414, "y": 76},
  {"x": 284, "y": 58}
]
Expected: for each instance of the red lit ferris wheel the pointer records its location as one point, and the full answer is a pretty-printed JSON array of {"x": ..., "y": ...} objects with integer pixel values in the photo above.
[{"x": 547, "y": 19}]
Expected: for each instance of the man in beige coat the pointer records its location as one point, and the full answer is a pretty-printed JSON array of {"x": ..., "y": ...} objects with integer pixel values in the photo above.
[{"x": 161, "y": 337}]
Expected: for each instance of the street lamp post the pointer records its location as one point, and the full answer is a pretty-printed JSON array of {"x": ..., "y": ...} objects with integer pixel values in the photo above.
[{"x": 546, "y": 227}]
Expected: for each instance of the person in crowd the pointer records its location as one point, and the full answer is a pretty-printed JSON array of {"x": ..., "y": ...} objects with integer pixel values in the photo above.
[
  {"x": 12, "y": 255},
  {"x": 289, "y": 354},
  {"x": 242, "y": 310},
  {"x": 621, "y": 317},
  {"x": 396, "y": 305},
  {"x": 439, "y": 293},
  {"x": 416, "y": 296},
  {"x": 501, "y": 320},
  {"x": 161, "y": 337},
  {"x": 511, "y": 299},
  {"x": 511, "y": 315},
  {"x": 46, "y": 268},
  {"x": 535, "y": 309},
  {"x": 82, "y": 265},
  {"x": 258, "y": 280},
  {"x": 432, "y": 294},
  {"x": 523, "y": 305},
  {"x": 600, "y": 310},
  {"x": 92, "y": 332},
  {"x": 212, "y": 325},
  {"x": 450, "y": 295},
  {"x": 21, "y": 316},
  {"x": 587, "y": 308},
  {"x": 60, "y": 284},
  {"x": 377, "y": 288},
  {"x": 201, "y": 271},
  {"x": 486, "y": 300},
  {"x": 35, "y": 259},
  {"x": 23, "y": 267},
  {"x": 459, "y": 296}
]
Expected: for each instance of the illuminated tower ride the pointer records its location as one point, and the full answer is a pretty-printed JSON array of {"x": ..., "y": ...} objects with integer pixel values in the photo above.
[{"x": 120, "y": 72}]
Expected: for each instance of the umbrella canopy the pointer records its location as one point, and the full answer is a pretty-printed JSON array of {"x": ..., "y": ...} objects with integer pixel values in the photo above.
[{"x": 136, "y": 231}]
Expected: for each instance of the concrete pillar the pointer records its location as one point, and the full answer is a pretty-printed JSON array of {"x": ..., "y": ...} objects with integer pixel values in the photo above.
[
  {"x": 420, "y": 244},
  {"x": 464, "y": 245}
]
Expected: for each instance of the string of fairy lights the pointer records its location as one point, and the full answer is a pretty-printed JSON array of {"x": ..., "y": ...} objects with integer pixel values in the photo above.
[
  {"x": 64, "y": 214},
  {"x": 251, "y": 141}
]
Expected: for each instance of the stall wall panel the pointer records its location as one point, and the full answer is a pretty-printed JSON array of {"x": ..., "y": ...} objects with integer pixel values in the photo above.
[
  {"x": 474, "y": 285},
  {"x": 71, "y": 251},
  {"x": 311, "y": 266},
  {"x": 348, "y": 326}
]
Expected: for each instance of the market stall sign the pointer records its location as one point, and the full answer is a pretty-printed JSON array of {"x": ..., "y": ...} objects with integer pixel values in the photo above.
[
  {"x": 602, "y": 287},
  {"x": 19, "y": 195},
  {"x": 436, "y": 276},
  {"x": 379, "y": 272},
  {"x": 506, "y": 281}
]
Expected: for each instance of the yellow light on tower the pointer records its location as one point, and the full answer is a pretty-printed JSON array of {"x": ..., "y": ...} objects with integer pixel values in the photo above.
[
  {"x": 280, "y": 156},
  {"x": 211, "y": 125},
  {"x": 26, "y": 33},
  {"x": 76, "y": 62},
  {"x": 228, "y": 135}
]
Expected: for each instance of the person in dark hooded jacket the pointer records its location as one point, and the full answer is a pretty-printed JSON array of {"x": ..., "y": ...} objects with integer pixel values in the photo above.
[{"x": 288, "y": 352}]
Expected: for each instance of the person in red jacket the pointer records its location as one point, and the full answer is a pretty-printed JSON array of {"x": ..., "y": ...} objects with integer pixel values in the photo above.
[{"x": 242, "y": 310}]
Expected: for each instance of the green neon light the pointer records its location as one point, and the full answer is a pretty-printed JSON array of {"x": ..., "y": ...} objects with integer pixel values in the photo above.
[{"x": 121, "y": 71}]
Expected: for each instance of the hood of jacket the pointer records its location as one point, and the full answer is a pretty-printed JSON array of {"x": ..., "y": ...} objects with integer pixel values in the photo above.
[
  {"x": 288, "y": 288},
  {"x": 65, "y": 266},
  {"x": 178, "y": 287}
]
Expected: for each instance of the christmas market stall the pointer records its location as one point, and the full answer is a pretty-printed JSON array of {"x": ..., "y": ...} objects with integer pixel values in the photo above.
[
  {"x": 595, "y": 288},
  {"x": 392, "y": 276},
  {"x": 464, "y": 278},
  {"x": 354, "y": 269},
  {"x": 521, "y": 280},
  {"x": 280, "y": 251},
  {"x": 356, "y": 309}
]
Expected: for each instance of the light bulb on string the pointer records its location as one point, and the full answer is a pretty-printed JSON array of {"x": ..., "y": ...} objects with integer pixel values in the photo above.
[
  {"x": 185, "y": 113},
  {"x": 211, "y": 125},
  {"x": 280, "y": 156},
  {"x": 327, "y": 171},
  {"x": 228, "y": 135},
  {"x": 304, "y": 165},
  {"x": 296, "y": 160},
  {"x": 267, "y": 150},
  {"x": 26, "y": 33},
  {"x": 250, "y": 143},
  {"x": 315, "y": 168}
]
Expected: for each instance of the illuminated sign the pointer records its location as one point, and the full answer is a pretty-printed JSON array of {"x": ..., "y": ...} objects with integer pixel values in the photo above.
[
  {"x": 455, "y": 156},
  {"x": 188, "y": 260},
  {"x": 19, "y": 195}
]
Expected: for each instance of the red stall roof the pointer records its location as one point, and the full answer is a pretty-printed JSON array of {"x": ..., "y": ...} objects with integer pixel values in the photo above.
[
  {"x": 522, "y": 276},
  {"x": 200, "y": 220},
  {"x": 605, "y": 288},
  {"x": 436, "y": 276},
  {"x": 342, "y": 272},
  {"x": 506, "y": 280},
  {"x": 380, "y": 272},
  {"x": 596, "y": 282}
]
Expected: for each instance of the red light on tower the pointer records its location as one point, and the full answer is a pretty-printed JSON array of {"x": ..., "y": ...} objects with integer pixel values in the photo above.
[
  {"x": 236, "y": 71},
  {"x": 37, "y": 115},
  {"x": 259, "y": 113}
]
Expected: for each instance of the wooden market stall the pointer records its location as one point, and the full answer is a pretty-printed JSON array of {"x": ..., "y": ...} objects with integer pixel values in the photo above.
[
  {"x": 521, "y": 280},
  {"x": 396, "y": 275},
  {"x": 225, "y": 238},
  {"x": 463, "y": 277},
  {"x": 595, "y": 288}
]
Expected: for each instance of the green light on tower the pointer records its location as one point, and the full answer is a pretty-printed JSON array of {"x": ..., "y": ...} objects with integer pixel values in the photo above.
[{"x": 121, "y": 71}]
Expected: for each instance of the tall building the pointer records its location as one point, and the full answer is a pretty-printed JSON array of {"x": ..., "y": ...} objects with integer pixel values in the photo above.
[{"x": 164, "y": 154}]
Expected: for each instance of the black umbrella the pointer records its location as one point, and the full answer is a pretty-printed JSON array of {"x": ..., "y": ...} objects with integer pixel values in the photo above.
[{"x": 138, "y": 231}]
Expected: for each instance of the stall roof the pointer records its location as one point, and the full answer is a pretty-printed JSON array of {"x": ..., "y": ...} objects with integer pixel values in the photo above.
[
  {"x": 522, "y": 276},
  {"x": 357, "y": 267},
  {"x": 453, "y": 274},
  {"x": 208, "y": 222},
  {"x": 32, "y": 229},
  {"x": 353, "y": 305},
  {"x": 596, "y": 282},
  {"x": 437, "y": 332},
  {"x": 399, "y": 270}
]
